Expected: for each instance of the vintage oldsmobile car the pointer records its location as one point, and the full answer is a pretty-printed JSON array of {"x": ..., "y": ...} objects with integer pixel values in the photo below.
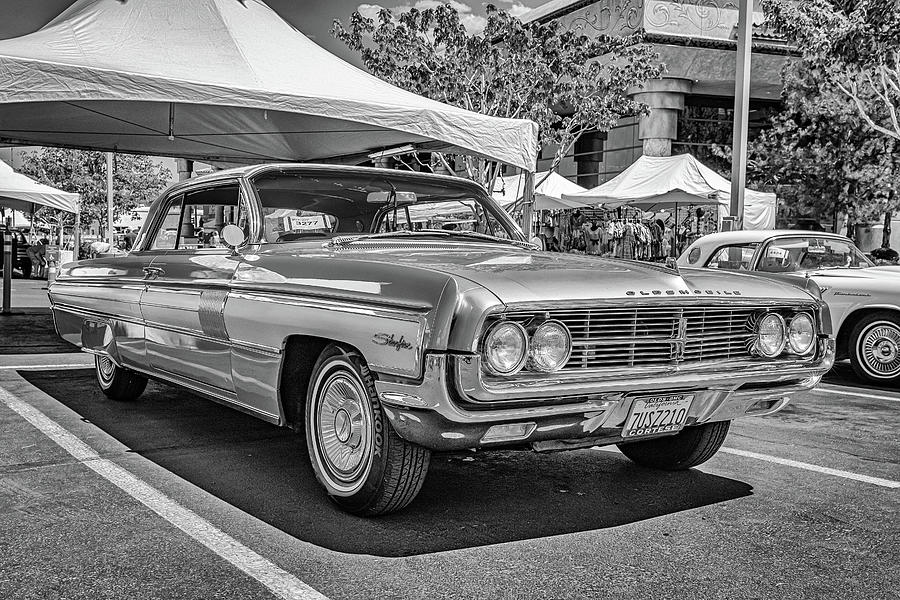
[
  {"x": 864, "y": 300},
  {"x": 388, "y": 314}
]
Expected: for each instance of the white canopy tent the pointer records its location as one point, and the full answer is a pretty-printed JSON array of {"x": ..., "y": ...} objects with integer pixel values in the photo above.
[
  {"x": 658, "y": 182},
  {"x": 24, "y": 194},
  {"x": 548, "y": 192},
  {"x": 220, "y": 80},
  {"x": 19, "y": 192}
]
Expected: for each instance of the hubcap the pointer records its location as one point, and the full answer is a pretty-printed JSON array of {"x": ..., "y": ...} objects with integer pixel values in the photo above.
[
  {"x": 344, "y": 427},
  {"x": 105, "y": 368},
  {"x": 880, "y": 350}
]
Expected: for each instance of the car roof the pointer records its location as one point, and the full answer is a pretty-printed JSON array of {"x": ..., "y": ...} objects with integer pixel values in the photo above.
[
  {"x": 759, "y": 235},
  {"x": 251, "y": 170}
]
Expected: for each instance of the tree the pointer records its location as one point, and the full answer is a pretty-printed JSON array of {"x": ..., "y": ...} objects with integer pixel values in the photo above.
[
  {"x": 567, "y": 83},
  {"x": 137, "y": 180},
  {"x": 853, "y": 46},
  {"x": 831, "y": 149},
  {"x": 821, "y": 155}
]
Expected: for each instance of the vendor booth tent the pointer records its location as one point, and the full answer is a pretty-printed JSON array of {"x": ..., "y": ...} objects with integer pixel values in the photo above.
[
  {"x": 220, "y": 80},
  {"x": 548, "y": 191},
  {"x": 26, "y": 195},
  {"x": 657, "y": 182}
]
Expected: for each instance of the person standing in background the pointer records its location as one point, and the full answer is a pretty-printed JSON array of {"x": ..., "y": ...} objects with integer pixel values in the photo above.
[{"x": 130, "y": 238}]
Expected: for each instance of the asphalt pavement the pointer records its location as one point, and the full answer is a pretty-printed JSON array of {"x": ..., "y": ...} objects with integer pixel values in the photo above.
[{"x": 174, "y": 496}]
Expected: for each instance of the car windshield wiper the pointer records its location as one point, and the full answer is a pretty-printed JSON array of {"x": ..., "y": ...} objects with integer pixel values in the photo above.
[
  {"x": 350, "y": 239},
  {"x": 444, "y": 233},
  {"x": 487, "y": 237}
]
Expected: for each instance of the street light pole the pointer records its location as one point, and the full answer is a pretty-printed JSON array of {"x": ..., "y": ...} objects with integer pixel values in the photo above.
[{"x": 741, "y": 110}]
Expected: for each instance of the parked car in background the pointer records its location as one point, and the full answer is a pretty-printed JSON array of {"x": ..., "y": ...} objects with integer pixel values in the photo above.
[
  {"x": 389, "y": 314},
  {"x": 864, "y": 299}
]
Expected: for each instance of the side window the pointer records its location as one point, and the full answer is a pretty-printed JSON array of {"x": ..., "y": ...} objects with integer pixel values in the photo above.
[
  {"x": 732, "y": 258},
  {"x": 206, "y": 213},
  {"x": 167, "y": 234},
  {"x": 694, "y": 256}
]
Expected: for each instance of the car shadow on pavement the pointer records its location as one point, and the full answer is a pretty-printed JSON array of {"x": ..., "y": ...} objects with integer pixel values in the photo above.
[
  {"x": 468, "y": 500},
  {"x": 31, "y": 331}
]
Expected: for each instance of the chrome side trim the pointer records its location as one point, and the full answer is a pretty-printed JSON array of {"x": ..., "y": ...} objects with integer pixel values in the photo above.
[
  {"x": 257, "y": 348},
  {"x": 76, "y": 282},
  {"x": 393, "y": 310},
  {"x": 95, "y": 315}
]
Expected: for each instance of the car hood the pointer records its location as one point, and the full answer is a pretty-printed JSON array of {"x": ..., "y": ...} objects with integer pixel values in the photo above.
[
  {"x": 516, "y": 275},
  {"x": 876, "y": 273}
]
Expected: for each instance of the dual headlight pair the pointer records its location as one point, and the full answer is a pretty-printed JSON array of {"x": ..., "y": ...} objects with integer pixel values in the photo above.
[
  {"x": 508, "y": 348},
  {"x": 774, "y": 334}
]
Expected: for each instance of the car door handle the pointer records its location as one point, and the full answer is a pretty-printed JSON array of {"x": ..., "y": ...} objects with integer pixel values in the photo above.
[{"x": 153, "y": 272}]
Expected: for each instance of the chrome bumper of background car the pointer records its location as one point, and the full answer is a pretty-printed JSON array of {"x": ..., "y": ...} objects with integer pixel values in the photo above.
[{"x": 428, "y": 414}]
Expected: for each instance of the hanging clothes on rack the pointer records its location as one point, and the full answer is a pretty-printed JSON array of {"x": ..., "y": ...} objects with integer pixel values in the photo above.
[{"x": 628, "y": 241}]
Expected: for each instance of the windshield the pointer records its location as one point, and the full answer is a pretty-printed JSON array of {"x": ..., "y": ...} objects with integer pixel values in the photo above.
[
  {"x": 308, "y": 206},
  {"x": 808, "y": 253}
]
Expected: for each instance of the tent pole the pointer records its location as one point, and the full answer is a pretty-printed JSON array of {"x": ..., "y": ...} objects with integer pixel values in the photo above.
[
  {"x": 675, "y": 249},
  {"x": 111, "y": 232},
  {"x": 528, "y": 205},
  {"x": 7, "y": 268},
  {"x": 76, "y": 235},
  {"x": 741, "y": 110}
]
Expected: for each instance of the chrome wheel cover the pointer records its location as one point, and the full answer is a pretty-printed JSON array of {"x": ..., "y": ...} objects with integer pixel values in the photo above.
[
  {"x": 878, "y": 349},
  {"x": 342, "y": 426},
  {"x": 106, "y": 370}
]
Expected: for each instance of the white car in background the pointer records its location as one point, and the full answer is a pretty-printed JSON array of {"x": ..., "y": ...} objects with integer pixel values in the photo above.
[{"x": 864, "y": 300}]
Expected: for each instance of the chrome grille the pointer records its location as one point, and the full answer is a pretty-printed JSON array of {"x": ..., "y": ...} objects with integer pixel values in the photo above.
[{"x": 646, "y": 336}]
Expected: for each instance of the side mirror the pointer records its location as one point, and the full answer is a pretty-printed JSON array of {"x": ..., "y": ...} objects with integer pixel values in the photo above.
[{"x": 233, "y": 236}]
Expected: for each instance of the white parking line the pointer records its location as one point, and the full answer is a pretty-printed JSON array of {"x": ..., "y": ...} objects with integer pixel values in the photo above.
[
  {"x": 810, "y": 467},
  {"x": 44, "y": 367},
  {"x": 825, "y": 390},
  {"x": 278, "y": 581},
  {"x": 794, "y": 463}
]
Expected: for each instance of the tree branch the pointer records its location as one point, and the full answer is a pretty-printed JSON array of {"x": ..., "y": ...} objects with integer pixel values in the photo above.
[{"x": 865, "y": 115}]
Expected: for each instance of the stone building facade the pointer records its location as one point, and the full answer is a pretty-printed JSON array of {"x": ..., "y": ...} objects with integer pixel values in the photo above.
[{"x": 691, "y": 105}]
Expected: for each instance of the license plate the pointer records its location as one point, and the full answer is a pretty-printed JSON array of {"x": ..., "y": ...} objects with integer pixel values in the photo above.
[{"x": 657, "y": 414}]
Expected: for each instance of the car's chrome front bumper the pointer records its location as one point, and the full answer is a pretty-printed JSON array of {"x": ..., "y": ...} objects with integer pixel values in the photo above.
[{"x": 431, "y": 413}]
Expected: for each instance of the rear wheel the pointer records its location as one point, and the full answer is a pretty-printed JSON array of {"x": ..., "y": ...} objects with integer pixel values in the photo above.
[
  {"x": 875, "y": 348},
  {"x": 689, "y": 448},
  {"x": 366, "y": 468},
  {"x": 116, "y": 382}
]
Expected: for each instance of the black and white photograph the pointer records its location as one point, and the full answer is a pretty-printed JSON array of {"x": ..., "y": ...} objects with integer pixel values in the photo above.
[{"x": 449, "y": 299}]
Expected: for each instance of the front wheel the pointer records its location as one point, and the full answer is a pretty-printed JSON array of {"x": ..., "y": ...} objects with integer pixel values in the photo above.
[
  {"x": 689, "y": 448},
  {"x": 117, "y": 383},
  {"x": 366, "y": 468},
  {"x": 875, "y": 348}
]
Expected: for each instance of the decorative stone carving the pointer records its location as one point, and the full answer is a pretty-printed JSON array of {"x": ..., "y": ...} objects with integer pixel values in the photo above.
[
  {"x": 609, "y": 17},
  {"x": 712, "y": 19}
]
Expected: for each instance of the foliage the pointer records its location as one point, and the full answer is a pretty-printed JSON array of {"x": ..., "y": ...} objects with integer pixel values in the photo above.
[
  {"x": 566, "y": 82},
  {"x": 819, "y": 147},
  {"x": 852, "y": 47},
  {"x": 136, "y": 181},
  {"x": 819, "y": 151}
]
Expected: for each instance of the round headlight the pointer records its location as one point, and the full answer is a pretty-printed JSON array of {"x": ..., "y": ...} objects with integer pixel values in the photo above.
[
  {"x": 770, "y": 335},
  {"x": 801, "y": 334},
  {"x": 505, "y": 348},
  {"x": 550, "y": 348}
]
